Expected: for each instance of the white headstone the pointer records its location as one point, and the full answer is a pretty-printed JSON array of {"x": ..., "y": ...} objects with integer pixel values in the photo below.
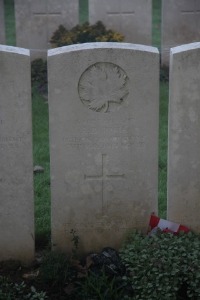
[
  {"x": 132, "y": 18},
  {"x": 180, "y": 24},
  {"x": 103, "y": 105},
  {"x": 37, "y": 20},
  {"x": 2, "y": 23},
  {"x": 184, "y": 136},
  {"x": 16, "y": 172}
]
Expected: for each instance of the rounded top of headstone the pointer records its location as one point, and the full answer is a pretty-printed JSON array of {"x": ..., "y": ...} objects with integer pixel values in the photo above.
[
  {"x": 186, "y": 47},
  {"x": 15, "y": 50},
  {"x": 102, "y": 45}
]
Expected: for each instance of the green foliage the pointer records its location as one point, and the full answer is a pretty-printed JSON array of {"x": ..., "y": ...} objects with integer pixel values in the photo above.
[
  {"x": 156, "y": 23},
  {"x": 18, "y": 291},
  {"x": 163, "y": 143},
  {"x": 55, "y": 270},
  {"x": 164, "y": 74},
  {"x": 10, "y": 22},
  {"x": 41, "y": 157},
  {"x": 85, "y": 33},
  {"x": 83, "y": 11},
  {"x": 75, "y": 240},
  {"x": 100, "y": 287},
  {"x": 161, "y": 266},
  {"x": 39, "y": 75}
]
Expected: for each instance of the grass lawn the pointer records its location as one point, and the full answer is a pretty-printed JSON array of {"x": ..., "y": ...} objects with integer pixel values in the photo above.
[
  {"x": 156, "y": 20},
  {"x": 83, "y": 11},
  {"x": 41, "y": 157},
  {"x": 40, "y": 131}
]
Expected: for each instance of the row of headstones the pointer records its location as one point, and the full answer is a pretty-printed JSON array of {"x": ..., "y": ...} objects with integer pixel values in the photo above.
[
  {"x": 103, "y": 123},
  {"x": 36, "y": 21}
]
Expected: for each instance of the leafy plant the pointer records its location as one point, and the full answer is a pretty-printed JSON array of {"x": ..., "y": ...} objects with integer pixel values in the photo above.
[
  {"x": 55, "y": 270},
  {"x": 100, "y": 287},
  {"x": 163, "y": 266},
  {"x": 18, "y": 291},
  {"x": 39, "y": 75},
  {"x": 75, "y": 240},
  {"x": 164, "y": 74},
  {"x": 85, "y": 33}
]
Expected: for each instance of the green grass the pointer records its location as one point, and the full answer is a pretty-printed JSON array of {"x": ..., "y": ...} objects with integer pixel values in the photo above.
[
  {"x": 83, "y": 11},
  {"x": 10, "y": 22},
  {"x": 40, "y": 131},
  {"x": 156, "y": 23},
  {"x": 163, "y": 134},
  {"x": 41, "y": 157}
]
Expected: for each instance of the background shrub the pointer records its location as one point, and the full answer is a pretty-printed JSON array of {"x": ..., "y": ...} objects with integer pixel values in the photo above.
[
  {"x": 62, "y": 37},
  {"x": 85, "y": 33},
  {"x": 163, "y": 266},
  {"x": 39, "y": 75},
  {"x": 164, "y": 74}
]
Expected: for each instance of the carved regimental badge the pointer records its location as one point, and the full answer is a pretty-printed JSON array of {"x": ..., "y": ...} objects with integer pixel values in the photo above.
[{"x": 103, "y": 87}]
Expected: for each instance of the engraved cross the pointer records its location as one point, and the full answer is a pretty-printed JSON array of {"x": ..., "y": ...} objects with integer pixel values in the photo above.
[{"x": 102, "y": 177}]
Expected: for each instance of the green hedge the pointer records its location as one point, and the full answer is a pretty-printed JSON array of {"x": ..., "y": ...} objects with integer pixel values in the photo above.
[
  {"x": 85, "y": 33},
  {"x": 163, "y": 266}
]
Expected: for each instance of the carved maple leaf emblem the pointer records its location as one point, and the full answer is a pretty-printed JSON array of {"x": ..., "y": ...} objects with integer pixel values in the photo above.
[{"x": 103, "y": 85}]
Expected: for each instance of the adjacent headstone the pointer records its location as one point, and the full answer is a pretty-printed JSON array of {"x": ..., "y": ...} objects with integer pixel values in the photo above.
[
  {"x": 103, "y": 105},
  {"x": 180, "y": 24},
  {"x": 132, "y": 18},
  {"x": 184, "y": 136},
  {"x": 16, "y": 172},
  {"x": 37, "y": 20},
  {"x": 2, "y": 23}
]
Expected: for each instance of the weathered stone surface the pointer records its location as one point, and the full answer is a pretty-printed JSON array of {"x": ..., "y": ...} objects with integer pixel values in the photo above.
[
  {"x": 132, "y": 18},
  {"x": 2, "y": 23},
  {"x": 36, "y": 21},
  {"x": 103, "y": 141},
  {"x": 184, "y": 137},
  {"x": 16, "y": 172},
  {"x": 180, "y": 24}
]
